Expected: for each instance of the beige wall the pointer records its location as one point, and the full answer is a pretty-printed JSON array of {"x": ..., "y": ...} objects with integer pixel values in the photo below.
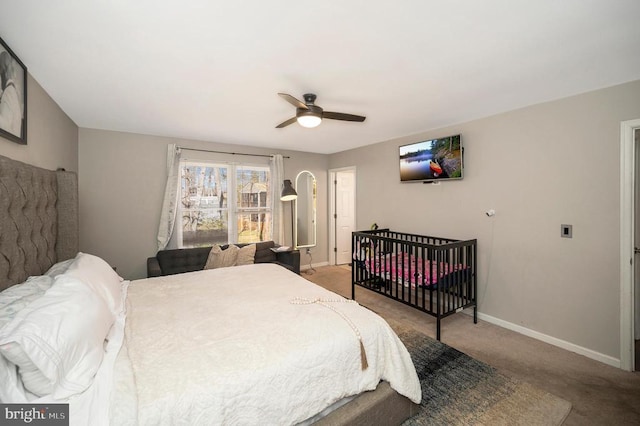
[
  {"x": 52, "y": 137},
  {"x": 538, "y": 167},
  {"x": 122, "y": 179}
]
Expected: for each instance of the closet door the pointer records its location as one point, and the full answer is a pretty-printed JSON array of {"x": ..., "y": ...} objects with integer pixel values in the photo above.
[{"x": 345, "y": 214}]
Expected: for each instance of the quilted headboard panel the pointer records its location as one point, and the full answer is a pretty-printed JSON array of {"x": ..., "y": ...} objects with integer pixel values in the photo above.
[{"x": 38, "y": 219}]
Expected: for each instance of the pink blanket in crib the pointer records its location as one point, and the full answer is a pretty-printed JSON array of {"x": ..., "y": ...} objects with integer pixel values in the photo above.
[{"x": 408, "y": 269}]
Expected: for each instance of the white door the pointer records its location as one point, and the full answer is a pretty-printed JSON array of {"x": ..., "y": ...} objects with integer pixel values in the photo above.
[
  {"x": 345, "y": 186},
  {"x": 636, "y": 241},
  {"x": 630, "y": 219}
]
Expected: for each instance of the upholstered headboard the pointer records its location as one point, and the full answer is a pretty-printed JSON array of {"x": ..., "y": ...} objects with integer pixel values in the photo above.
[{"x": 38, "y": 219}]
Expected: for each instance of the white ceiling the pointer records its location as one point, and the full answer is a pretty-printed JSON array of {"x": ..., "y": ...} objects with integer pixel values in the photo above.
[{"x": 211, "y": 70}]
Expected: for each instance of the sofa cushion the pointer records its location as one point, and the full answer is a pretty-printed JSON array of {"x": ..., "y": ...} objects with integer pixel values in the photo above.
[
  {"x": 177, "y": 261},
  {"x": 182, "y": 260}
]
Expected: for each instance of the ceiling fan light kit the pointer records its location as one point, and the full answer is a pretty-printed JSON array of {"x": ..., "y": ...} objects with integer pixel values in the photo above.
[
  {"x": 310, "y": 115},
  {"x": 308, "y": 119}
]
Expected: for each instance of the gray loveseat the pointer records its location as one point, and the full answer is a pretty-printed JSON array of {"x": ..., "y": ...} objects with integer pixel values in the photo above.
[{"x": 176, "y": 261}]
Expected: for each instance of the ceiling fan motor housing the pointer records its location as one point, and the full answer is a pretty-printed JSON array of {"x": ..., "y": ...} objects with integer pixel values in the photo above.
[
  {"x": 309, "y": 98},
  {"x": 311, "y": 110}
]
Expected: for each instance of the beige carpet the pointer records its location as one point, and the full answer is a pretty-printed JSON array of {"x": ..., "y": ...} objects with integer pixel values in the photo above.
[{"x": 599, "y": 394}]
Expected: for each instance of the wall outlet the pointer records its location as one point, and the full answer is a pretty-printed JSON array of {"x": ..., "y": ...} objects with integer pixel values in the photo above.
[
  {"x": 566, "y": 231},
  {"x": 308, "y": 250}
]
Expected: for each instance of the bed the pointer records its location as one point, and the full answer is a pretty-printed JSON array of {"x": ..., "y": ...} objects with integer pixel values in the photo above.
[
  {"x": 252, "y": 344},
  {"x": 434, "y": 275}
]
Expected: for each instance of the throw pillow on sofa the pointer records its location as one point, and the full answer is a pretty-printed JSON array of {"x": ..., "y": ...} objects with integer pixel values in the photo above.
[
  {"x": 246, "y": 254},
  {"x": 219, "y": 258}
]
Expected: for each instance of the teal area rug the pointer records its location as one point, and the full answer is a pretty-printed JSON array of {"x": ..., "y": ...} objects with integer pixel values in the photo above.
[{"x": 460, "y": 390}]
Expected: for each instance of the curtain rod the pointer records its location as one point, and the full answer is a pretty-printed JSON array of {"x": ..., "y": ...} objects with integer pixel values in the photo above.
[{"x": 232, "y": 153}]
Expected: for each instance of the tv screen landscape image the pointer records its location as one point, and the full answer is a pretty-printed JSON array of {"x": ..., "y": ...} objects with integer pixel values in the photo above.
[{"x": 435, "y": 159}]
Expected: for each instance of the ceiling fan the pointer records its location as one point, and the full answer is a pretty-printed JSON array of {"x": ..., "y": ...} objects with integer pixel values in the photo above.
[{"x": 308, "y": 114}]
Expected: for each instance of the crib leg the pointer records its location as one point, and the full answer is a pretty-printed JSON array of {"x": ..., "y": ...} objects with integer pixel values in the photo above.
[
  {"x": 438, "y": 329},
  {"x": 475, "y": 314}
]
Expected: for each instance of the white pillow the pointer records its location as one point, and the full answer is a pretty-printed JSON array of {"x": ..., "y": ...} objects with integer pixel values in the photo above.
[
  {"x": 59, "y": 268},
  {"x": 34, "y": 285},
  {"x": 11, "y": 388},
  {"x": 28, "y": 371},
  {"x": 98, "y": 275},
  {"x": 17, "y": 297},
  {"x": 57, "y": 341}
]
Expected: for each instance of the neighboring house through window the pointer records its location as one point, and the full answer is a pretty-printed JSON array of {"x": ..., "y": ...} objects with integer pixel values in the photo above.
[{"x": 223, "y": 203}]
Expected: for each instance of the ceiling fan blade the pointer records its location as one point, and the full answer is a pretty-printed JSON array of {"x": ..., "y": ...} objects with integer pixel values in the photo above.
[
  {"x": 342, "y": 116},
  {"x": 293, "y": 101},
  {"x": 286, "y": 123}
]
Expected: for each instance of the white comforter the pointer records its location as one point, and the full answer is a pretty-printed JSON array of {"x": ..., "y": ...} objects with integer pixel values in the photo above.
[{"x": 227, "y": 346}]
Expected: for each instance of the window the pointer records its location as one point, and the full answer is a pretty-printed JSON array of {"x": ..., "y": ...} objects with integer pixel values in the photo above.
[{"x": 223, "y": 203}]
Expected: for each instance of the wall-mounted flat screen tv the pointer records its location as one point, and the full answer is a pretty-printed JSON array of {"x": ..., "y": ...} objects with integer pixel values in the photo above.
[{"x": 435, "y": 159}]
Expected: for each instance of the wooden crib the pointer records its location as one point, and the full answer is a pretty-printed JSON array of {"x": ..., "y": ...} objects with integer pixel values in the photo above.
[{"x": 434, "y": 275}]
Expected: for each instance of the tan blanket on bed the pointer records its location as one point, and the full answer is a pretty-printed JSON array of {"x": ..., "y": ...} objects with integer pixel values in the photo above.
[{"x": 227, "y": 346}]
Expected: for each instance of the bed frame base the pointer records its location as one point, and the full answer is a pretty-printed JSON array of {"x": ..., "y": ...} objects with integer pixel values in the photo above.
[{"x": 382, "y": 406}]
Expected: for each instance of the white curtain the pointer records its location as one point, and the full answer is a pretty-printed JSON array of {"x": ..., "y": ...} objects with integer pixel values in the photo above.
[
  {"x": 170, "y": 203},
  {"x": 277, "y": 175}
]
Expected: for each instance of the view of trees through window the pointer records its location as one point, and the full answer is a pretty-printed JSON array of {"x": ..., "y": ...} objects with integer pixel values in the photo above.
[{"x": 224, "y": 203}]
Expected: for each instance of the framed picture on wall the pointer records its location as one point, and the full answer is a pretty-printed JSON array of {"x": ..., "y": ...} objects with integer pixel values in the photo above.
[{"x": 13, "y": 96}]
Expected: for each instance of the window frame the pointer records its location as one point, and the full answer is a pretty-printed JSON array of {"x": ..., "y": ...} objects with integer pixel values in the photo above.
[{"x": 234, "y": 212}]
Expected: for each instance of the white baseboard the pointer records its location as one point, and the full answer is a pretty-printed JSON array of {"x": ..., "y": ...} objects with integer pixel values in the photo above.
[{"x": 606, "y": 359}]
